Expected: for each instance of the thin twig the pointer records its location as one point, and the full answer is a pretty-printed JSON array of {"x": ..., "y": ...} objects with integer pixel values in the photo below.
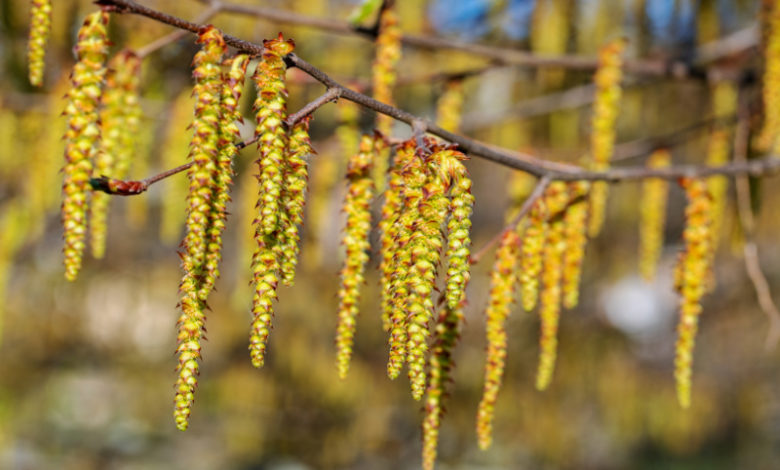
[
  {"x": 520, "y": 161},
  {"x": 332, "y": 94},
  {"x": 752, "y": 260},
  {"x": 538, "y": 191}
]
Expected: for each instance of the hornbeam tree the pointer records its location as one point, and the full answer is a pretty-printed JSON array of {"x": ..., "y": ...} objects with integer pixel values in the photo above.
[{"x": 407, "y": 180}]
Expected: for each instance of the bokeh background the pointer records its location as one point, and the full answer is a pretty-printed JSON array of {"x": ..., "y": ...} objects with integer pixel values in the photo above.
[{"x": 87, "y": 368}]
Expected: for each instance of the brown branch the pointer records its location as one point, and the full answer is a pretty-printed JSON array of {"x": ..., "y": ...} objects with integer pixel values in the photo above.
[
  {"x": 538, "y": 191},
  {"x": 752, "y": 259},
  {"x": 520, "y": 161}
]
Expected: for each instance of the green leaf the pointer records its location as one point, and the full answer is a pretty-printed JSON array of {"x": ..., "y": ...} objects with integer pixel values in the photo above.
[{"x": 364, "y": 10}]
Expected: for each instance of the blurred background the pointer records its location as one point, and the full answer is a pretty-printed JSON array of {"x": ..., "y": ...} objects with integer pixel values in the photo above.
[{"x": 87, "y": 368}]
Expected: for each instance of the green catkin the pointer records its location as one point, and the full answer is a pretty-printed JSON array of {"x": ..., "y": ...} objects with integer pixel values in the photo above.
[
  {"x": 692, "y": 272},
  {"x": 40, "y": 29},
  {"x": 204, "y": 155},
  {"x": 652, "y": 216},
  {"x": 120, "y": 119},
  {"x": 605, "y": 112},
  {"x": 575, "y": 221},
  {"x": 176, "y": 141},
  {"x": 424, "y": 248},
  {"x": 82, "y": 135},
  {"x": 271, "y": 111},
  {"x": 446, "y": 335},
  {"x": 531, "y": 254},
  {"x": 383, "y": 74},
  {"x": 458, "y": 226},
  {"x": 395, "y": 260},
  {"x": 294, "y": 196},
  {"x": 229, "y": 135},
  {"x": 357, "y": 206},
  {"x": 502, "y": 293}
]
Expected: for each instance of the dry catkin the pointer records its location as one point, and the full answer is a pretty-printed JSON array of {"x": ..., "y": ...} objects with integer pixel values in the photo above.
[
  {"x": 692, "y": 272},
  {"x": 204, "y": 154},
  {"x": 40, "y": 29},
  {"x": 652, "y": 216},
  {"x": 502, "y": 295},
  {"x": 357, "y": 206},
  {"x": 605, "y": 111},
  {"x": 82, "y": 135},
  {"x": 120, "y": 118}
]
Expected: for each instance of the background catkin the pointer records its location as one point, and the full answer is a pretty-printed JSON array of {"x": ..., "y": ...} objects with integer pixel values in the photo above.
[
  {"x": 605, "y": 111},
  {"x": 357, "y": 206},
  {"x": 692, "y": 272},
  {"x": 82, "y": 135},
  {"x": 203, "y": 154},
  {"x": 503, "y": 282},
  {"x": 40, "y": 29},
  {"x": 383, "y": 76},
  {"x": 575, "y": 221},
  {"x": 652, "y": 216}
]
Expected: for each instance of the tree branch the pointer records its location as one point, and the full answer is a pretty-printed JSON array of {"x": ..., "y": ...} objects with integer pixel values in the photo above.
[{"x": 516, "y": 160}]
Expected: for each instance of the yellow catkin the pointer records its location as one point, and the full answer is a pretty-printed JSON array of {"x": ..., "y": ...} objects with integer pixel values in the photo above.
[
  {"x": 446, "y": 335},
  {"x": 229, "y": 135},
  {"x": 724, "y": 103},
  {"x": 357, "y": 206},
  {"x": 204, "y": 155},
  {"x": 294, "y": 196},
  {"x": 768, "y": 137},
  {"x": 692, "y": 270},
  {"x": 575, "y": 222},
  {"x": 174, "y": 148},
  {"x": 395, "y": 263},
  {"x": 501, "y": 297},
  {"x": 40, "y": 28},
  {"x": 652, "y": 216},
  {"x": 450, "y": 106},
  {"x": 271, "y": 111},
  {"x": 82, "y": 135},
  {"x": 120, "y": 118},
  {"x": 383, "y": 75},
  {"x": 605, "y": 111},
  {"x": 531, "y": 254},
  {"x": 458, "y": 226}
]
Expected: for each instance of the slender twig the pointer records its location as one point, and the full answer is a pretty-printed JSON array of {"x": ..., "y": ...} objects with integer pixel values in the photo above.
[
  {"x": 213, "y": 9},
  {"x": 332, "y": 94},
  {"x": 516, "y": 160},
  {"x": 538, "y": 191},
  {"x": 750, "y": 248}
]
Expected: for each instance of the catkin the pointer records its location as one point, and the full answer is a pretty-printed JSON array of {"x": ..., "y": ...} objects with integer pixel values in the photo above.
[
  {"x": 692, "y": 271},
  {"x": 294, "y": 196},
  {"x": 502, "y": 295},
  {"x": 724, "y": 103},
  {"x": 383, "y": 77},
  {"x": 357, "y": 206},
  {"x": 450, "y": 106},
  {"x": 605, "y": 111},
  {"x": 82, "y": 135},
  {"x": 768, "y": 137},
  {"x": 458, "y": 226},
  {"x": 40, "y": 29},
  {"x": 652, "y": 216},
  {"x": 120, "y": 118},
  {"x": 446, "y": 335},
  {"x": 400, "y": 202},
  {"x": 575, "y": 232},
  {"x": 550, "y": 302},
  {"x": 531, "y": 254},
  {"x": 271, "y": 111},
  {"x": 229, "y": 134},
  {"x": 204, "y": 154}
]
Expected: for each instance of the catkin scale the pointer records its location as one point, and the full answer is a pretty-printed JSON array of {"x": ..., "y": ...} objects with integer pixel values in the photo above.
[
  {"x": 82, "y": 135},
  {"x": 357, "y": 206}
]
